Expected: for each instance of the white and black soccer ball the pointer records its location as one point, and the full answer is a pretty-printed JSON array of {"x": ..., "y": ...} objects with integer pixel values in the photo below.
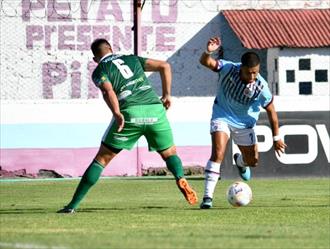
[{"x": 239, "y": 194}]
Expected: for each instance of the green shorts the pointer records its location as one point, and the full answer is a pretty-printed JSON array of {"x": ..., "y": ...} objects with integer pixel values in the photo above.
[{"x": 144, "y": 120}]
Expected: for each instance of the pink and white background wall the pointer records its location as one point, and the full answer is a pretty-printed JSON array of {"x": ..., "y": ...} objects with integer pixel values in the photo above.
[{"x": 52, "y": 116}]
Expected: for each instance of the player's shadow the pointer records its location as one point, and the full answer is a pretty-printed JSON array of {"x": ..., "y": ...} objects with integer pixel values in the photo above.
[
  {"x": 16, "y": 211},
  {"x": 24, "y": 211},
  {"x": 88, "y": 210},
  {"x": 190, "y": 78},
  {"x": 81, "y": 210}
]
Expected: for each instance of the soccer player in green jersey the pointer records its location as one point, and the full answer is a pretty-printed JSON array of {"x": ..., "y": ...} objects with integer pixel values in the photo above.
[{"x": 137, "y": 111}]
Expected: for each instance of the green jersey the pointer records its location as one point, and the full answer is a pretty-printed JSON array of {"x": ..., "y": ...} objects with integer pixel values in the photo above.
[{"x": 129, "y": 82}]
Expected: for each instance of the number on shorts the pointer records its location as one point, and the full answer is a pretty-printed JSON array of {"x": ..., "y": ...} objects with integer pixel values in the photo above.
[{"x": 125, "y": 71}]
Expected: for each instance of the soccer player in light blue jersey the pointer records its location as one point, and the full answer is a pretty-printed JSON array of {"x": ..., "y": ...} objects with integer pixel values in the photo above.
[{"x": 242, "y": 92}]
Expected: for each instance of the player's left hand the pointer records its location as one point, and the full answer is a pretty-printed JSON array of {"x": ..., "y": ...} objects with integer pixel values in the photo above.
[
  {"x": 166, "y": 101},
  {"x": 213, "y": 44},
  {"x": 279, "y": 147}
]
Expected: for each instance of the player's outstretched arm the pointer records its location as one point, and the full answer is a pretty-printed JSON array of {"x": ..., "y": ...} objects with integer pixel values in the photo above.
[
  {"x": 164, "y": 69},
  {"x": 206, "y": 59},
  {"x": 279, "y": 145},
  {"x": 111, "y": 99}
]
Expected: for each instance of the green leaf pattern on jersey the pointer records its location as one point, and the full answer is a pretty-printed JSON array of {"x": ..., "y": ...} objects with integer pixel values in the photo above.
[{"x": 126, "y": 74}]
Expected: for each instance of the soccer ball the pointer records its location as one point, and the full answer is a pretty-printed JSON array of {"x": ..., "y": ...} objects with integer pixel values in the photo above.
[{"x": 239, "y": 194}]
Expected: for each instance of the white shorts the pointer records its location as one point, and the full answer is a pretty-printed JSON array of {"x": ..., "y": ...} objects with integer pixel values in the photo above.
[{"x": 244, "y": 137}]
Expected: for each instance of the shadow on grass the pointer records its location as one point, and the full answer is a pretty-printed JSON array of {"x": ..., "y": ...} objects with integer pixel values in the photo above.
[
  {"x": 86, "y": 210},
  {"x": 83, "y": 210},
  {"x": 24, "y": 211},
  {"x": 188, "y": 208}
]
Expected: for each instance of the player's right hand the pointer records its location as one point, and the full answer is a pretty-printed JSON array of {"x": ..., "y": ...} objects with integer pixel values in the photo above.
[
  {"x": 120, "y": 121},
  {"x": 279, "y": 147},
  {"x": 213, "y": 44},
  {"x": 166, "y": 101}
]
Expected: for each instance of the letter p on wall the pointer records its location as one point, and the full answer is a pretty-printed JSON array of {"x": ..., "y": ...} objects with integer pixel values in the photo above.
[
  {"x": 312, "y": 143},
  {"x": 52, "y": 74}
]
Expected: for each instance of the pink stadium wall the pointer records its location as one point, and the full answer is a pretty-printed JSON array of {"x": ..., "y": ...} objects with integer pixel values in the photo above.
[{"x": 73, "y": 162}]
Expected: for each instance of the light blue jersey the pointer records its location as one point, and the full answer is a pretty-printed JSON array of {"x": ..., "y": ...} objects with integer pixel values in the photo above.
[{"x": 238, "y": 103}]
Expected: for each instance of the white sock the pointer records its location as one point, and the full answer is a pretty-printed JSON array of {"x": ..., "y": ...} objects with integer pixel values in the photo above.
[
  {"x": 240, "y": 162},
  {"x": 212, "y": 174}
]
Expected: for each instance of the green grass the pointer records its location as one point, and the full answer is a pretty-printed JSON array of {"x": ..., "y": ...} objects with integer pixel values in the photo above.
[{"x": 151, "y": 213}]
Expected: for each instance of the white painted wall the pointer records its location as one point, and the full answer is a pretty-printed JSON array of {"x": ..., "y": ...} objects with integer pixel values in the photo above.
[
  {"x": 289, "y": 60},
  {"x": 184, "y": 109}
]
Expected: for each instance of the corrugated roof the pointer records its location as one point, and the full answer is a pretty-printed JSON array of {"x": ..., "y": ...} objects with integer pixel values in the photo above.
[{"x": 281, "y": 28}]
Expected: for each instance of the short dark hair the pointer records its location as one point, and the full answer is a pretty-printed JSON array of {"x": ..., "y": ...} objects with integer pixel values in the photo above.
[
  {"x": 250, "y": 59},
  {"x": 96, "y": 45}
]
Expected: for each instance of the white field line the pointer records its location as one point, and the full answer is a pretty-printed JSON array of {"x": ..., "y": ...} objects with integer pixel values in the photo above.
[{"x": 28, "y": 246}]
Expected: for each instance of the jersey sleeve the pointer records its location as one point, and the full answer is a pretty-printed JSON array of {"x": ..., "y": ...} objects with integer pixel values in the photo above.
[
  {"x": 266, "y": 97},
  {"x": 225, "y": 66},
  {"x": 99, "y": 77},
  {"x": 142, "y": 60}
]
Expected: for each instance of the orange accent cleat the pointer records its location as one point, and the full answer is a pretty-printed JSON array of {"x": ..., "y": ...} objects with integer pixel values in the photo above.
[{"x": 187, "y": 191}]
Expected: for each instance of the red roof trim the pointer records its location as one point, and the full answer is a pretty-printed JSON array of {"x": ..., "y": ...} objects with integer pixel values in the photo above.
[{"x": 296, "y": 28}]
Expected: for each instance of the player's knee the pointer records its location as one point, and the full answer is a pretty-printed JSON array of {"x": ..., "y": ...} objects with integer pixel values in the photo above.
[
  {"x": 168, "y": 152},
  {"x": 217, "y": 156},
  {"x": 103, "y": 160},
  {"x": 106, "y": 154}
]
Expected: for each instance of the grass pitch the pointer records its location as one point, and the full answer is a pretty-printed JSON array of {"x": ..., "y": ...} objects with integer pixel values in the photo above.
[{"x": 152, "y": 213}]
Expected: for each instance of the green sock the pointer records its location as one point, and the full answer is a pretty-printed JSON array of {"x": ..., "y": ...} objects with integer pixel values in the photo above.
[
  {"x": 90, "y": 177},
  {"x": 174, "y": 165}
]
